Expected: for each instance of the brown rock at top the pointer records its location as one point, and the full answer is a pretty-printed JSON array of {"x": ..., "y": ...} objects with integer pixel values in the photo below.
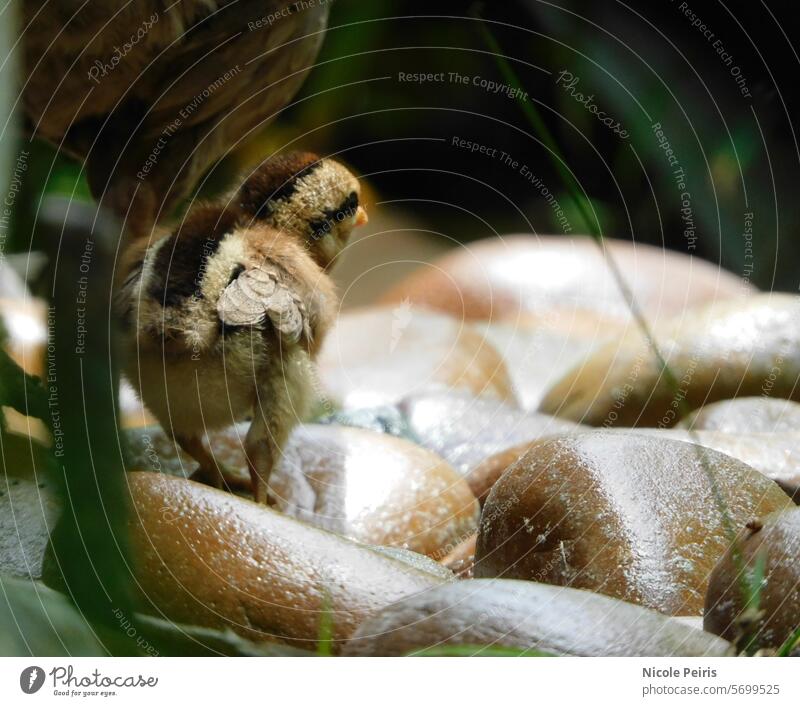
[
  {"x": 777, "y": 539},
  {"x": 501, "y": 278},
  {"x": 209, "y": 558},
  {"x": 622, "y": 514},
  {"x": 375, "y": 356},
  {"x": 725, "y": 350},
  {"x": 746, "y": 415},
  {"x": 524, "y": 615}
]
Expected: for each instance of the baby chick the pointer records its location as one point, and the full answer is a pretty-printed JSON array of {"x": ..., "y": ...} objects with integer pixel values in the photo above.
[{"x": 223, "y": 316}]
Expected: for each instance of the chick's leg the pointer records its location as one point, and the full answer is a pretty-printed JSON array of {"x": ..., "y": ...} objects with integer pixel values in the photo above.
[
  {"x": 263, "y": 449},
  {"x": 210, "y": 471},
  {"x": 284, "y": 399},
  {"x": 274, "y": 417}
]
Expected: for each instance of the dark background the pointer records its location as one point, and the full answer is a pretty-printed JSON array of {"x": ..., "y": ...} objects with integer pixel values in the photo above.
[{"x": 739, "y": 154}]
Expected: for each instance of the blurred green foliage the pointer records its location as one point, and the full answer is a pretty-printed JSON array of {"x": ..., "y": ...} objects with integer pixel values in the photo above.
[{"x": 38, "y": 621}]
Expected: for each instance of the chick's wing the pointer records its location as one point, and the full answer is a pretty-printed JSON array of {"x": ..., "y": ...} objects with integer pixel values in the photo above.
[{"x": 258, "y": 293}]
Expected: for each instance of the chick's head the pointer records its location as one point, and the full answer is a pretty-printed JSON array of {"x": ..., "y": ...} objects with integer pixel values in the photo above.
[{"x": 314, "y": 198}]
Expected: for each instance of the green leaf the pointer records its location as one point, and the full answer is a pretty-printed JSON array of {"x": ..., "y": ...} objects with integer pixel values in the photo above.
[
  {"x": 37, "y": 621},
  {"x": 756, "y": 581},
  {"x": 164, "y": 638}
]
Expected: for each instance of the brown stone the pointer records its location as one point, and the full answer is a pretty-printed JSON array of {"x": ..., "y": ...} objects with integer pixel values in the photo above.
[
  {"x": 622, "y": 514},
  {"x": 209, "y": 558},
  {"x": 726, "y": 350},
  {"x": 502, "y": 278},
  {"x": 462, "y": 559},
  {"x": 374, "y": 488},
  {"x": 487, "y": 473},
  {"x": 368, "y": 486},
  {"x": 777, "y": 539},
  {"x": 375, "y": 356},
  {"x": 524, "y": 615},
  {"x": 377, "y": 253}
]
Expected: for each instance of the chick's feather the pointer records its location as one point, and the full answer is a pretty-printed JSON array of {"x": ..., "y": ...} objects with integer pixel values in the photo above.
[{"x": 259, "y": 292}]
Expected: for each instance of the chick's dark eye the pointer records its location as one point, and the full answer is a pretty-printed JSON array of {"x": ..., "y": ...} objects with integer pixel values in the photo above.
[
  {"x": 350, "y": 203},
  {"x": 347, "y": 209}
]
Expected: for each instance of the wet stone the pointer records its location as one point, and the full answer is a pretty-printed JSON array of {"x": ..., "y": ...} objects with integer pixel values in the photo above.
[
  {"x": 504, "y": 278},
  {"x": 626, "y": 515},
  {"x": 728, "y": 349},
  {"x": 465, "y": 430},
  {"x": 371, "y": 487},
  {"x": 375, "y": 356},
  {"x": 527, "y": 616},
  {"x": 746, "y": 415},
  {"x": 775, "y": 540},
  {"x": 777, "y": 456},
  {"x": 209, "y": 558}
]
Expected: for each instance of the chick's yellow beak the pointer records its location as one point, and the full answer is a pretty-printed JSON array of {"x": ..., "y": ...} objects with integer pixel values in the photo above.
[{"x": 361, "y": 217}]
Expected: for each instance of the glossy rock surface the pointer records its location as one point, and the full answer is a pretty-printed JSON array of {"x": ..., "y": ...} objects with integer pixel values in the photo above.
[
  {"x": 747, "y": 415},
  {"x": 368, "y": 486},
  {"x": 376, "y": 356},
  {"x": 465, "y": 430},
  {"x": 622, "y": 514},
  {"x": 777, "y": 456},
  {"x": 374, "y": 488},
  {"x": 499, "y": 278},
  {"x": 777, "y": 538},
  {"x": 731, "y": 349},
  {"x": 209, "y": 558},
  {"x": 541, "y": 348},
  {"x": 527, "y": 616}
]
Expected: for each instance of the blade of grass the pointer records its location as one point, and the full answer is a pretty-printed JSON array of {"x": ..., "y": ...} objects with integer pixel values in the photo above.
[
  {"x": 751, "y": 613},
  {"x": 786, "y": 649},
  {"x": 576, "y": 194},
  {"x": 325, "y": 635},
  {"x": 477, "y": 651}
]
